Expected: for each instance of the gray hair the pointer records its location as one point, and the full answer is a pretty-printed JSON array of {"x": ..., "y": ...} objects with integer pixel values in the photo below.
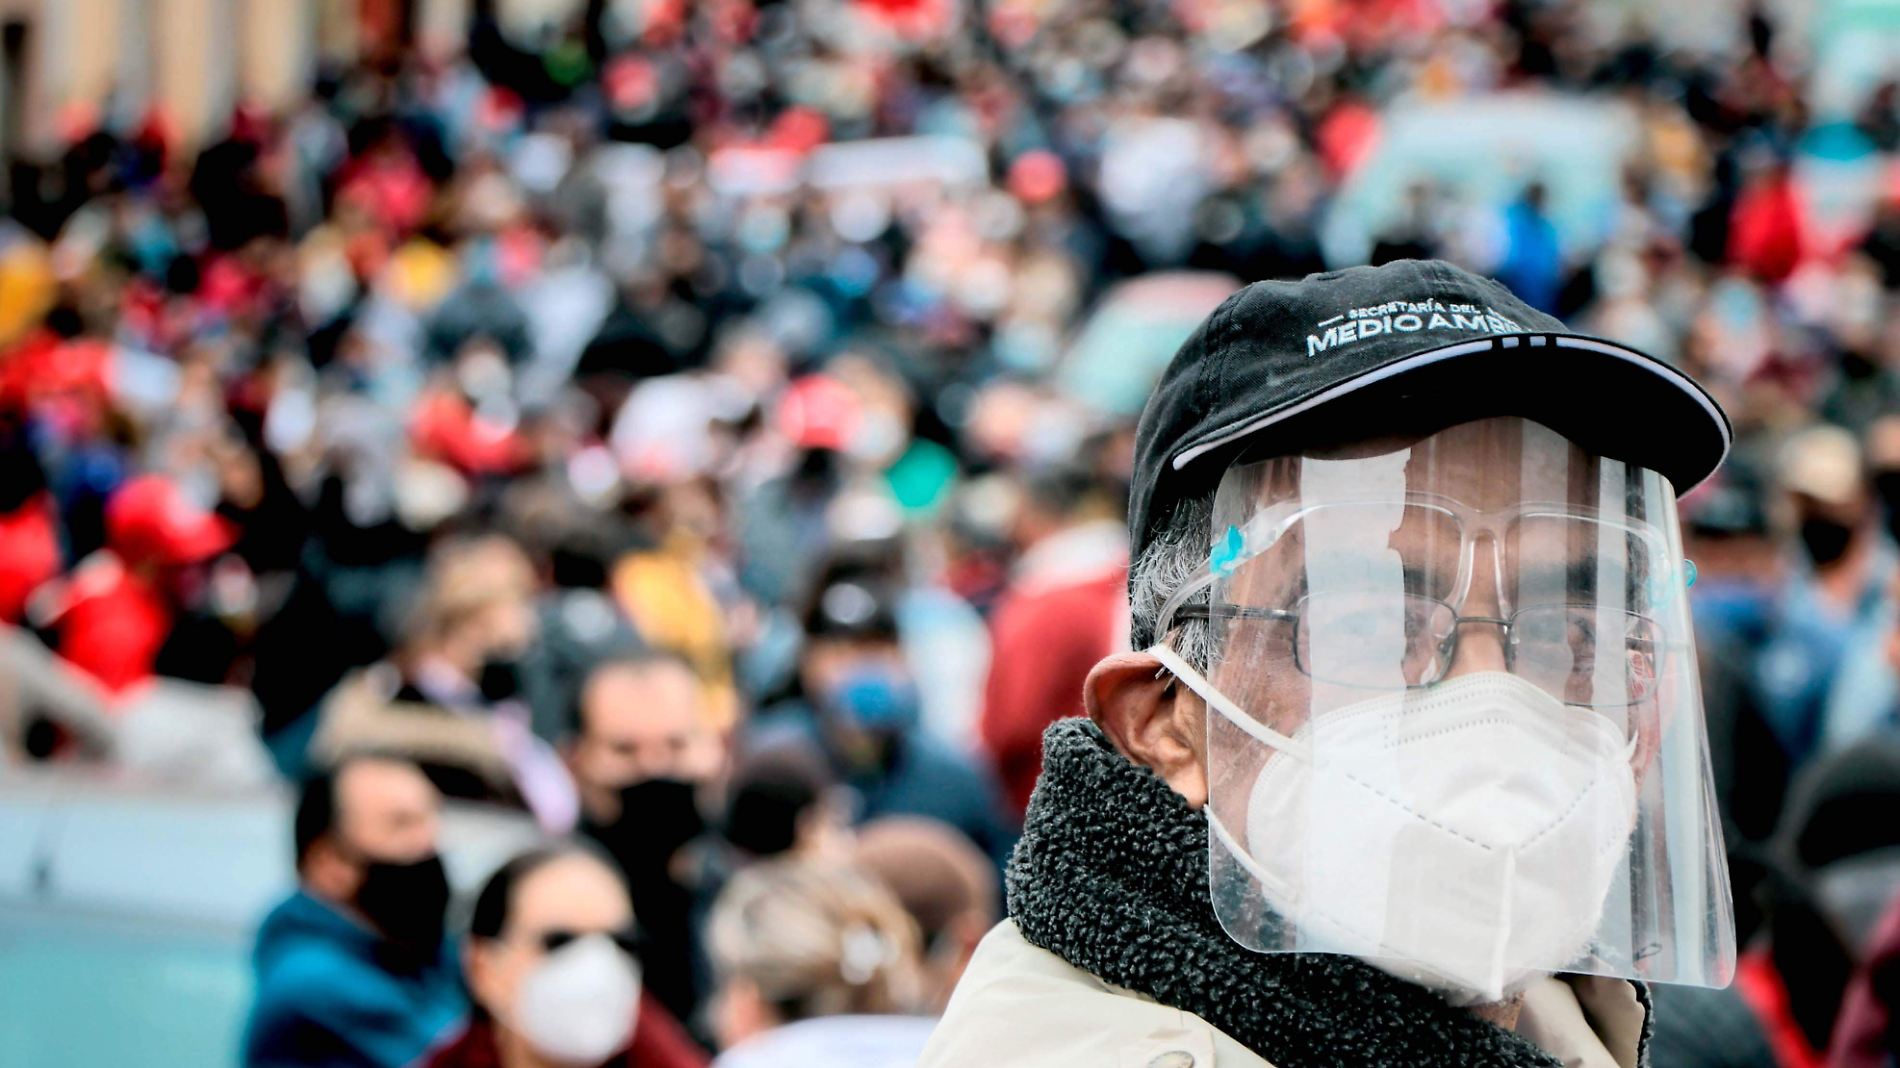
[{"x": 1173, "y": 558}]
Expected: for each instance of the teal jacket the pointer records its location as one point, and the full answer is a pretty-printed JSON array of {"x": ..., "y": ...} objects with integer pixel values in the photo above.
[{"x": 326, "y": 996}]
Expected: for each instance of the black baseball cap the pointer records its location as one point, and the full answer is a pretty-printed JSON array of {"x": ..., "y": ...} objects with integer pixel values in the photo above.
[{"x": 1414, "y": 345}]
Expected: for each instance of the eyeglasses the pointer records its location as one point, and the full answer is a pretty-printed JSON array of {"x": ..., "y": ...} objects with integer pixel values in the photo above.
[
  {"x": 629, "y": 939},
  {"x": 1440, "y": 544},
  {"x": 1581, "y": 654}
]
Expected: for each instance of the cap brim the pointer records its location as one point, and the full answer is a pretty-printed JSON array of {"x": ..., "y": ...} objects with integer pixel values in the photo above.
[{"x": 1609, "y": 399}]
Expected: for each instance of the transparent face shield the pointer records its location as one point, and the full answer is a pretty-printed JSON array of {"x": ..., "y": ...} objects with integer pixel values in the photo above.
[{"x": 1453, "y": 719}]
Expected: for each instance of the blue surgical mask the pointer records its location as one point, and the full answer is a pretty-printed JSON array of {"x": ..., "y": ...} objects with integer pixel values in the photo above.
[
  {"x": 1740, "y": 608},
  {"x": 875, "y": 697}
]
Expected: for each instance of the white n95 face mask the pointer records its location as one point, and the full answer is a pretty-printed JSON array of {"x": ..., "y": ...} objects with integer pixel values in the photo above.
[
  {"x": 581, "y": 1003},
  {"x": 1463, "y": 836}
]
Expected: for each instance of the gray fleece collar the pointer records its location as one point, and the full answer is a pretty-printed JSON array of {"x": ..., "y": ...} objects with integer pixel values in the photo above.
[{"x": 1111, "y": 876}]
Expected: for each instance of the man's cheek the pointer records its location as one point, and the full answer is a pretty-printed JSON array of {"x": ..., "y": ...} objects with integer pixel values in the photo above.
[
  {"x": 1235, "y": 758},
  {"x": 1267, "y": 685}
]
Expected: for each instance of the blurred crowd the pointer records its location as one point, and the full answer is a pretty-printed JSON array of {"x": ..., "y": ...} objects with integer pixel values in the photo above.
[{"x": 707, "y": 433}]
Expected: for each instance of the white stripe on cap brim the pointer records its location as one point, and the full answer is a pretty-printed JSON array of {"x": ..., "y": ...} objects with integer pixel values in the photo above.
[{"x": 1425, "y": 359}]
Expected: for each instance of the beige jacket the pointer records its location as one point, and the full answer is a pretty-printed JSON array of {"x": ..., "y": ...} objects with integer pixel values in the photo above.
[{"x": 1021, "y": 1005}]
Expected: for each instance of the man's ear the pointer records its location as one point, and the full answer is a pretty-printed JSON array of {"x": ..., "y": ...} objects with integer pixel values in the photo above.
[
  {"x": 1151, "y": 719},
  {"x": 328, "y": 874}
]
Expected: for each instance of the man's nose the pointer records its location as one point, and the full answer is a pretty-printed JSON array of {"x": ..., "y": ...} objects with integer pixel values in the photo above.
[
  {"x": 1480, "y": 648},
  {"x": 1479, "y": 642}
]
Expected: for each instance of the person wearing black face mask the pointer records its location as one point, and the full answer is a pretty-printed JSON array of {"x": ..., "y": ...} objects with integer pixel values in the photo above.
[
  {"x": 353, "y": 968},
  {"x": 643, "y": 755},
  {"x": 1883, "y": 461},
  {"x": 1815, "y": 669}
]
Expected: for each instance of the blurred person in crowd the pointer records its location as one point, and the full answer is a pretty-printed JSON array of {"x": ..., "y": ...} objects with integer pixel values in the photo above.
[
  {"x": 1732, "y": 536},
  {"x": 1867, "y": 1034},
  {"x": 451, "y": 694},
  {"x": 671, "y": 586},
  {"x": 1704, "y": 1027},
  {"x": 1834, "y": 605},
  {"x": 1864, "y": 699},
  {"x": 858, "y": 703},
  {"x": 1835, "y": 831},
  {"x": 1064, "y": 609},
  {"x": 817, "y": 966},
  {"x": 1882, "y": 443},
  {"x": 1368, "y": 785},
  {"x": 114, "y": 614},
  {"x": 1533, "y": 261},
  {"x": 783, "y": 800},
  {"x": 784, "y": 523},
  {"x": 50, "y": 709},
  {"x": 353, "y": 968},
  {"x": 1751, "y": 771},
  {"x": 553, "y": 972},
  {"x": 1769, "y": 232},
  {"x": 946, "y": 643},
  {"x": 644, "y": 759},
  {"x": 1818, "y": 890},
  {"x": 361, "y": 570},
  {"x": 30, "y": 552},
  {"x": 1740, "y": 572},
  {"x": 1418, "y": 232},
  {"x": 948, "y": 888},
  {"x": 572, "y": 541}
]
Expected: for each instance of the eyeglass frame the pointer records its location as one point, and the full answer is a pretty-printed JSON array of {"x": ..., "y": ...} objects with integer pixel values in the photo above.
[
  {"x": 1446, "y": 652},
  {"x": 1228, "y": 553}
]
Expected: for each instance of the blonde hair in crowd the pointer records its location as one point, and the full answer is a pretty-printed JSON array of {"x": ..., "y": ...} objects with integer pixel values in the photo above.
[
  {"x": 816, "y": 940},
  {"x": 465, "y": 577}
]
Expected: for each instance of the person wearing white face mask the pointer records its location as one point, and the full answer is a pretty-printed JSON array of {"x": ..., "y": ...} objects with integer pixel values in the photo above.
[
  {"x": 551, "y": 968},
  {"x": 1408, "y": 764}
]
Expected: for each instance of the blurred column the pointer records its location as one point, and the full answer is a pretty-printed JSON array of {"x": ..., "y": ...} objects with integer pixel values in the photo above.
[
  {"x": 277, "y": 54},
  {"x": 385, "y": 27},
  {"x": 132, "y": 83},
  {"x": 442, "y": 25},
  {"x": 23, "y": 91},
  {"x": 81, "y": 46},
  {"x": 194, "y": 42},
  {"x": 338, "y": 38}
]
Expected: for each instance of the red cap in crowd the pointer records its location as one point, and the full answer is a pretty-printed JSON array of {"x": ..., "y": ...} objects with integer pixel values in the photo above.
[
  {"x": 149, "y": 519},
  {"x": 819, "y": 412}
]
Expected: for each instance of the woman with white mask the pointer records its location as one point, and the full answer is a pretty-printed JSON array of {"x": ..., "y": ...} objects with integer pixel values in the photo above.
[{"x": 552, "y": 972}]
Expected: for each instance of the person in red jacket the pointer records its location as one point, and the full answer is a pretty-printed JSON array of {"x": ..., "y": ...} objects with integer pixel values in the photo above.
[
  {"x": 29, "y": 524},
  {"x": 114, "y": 612},
  {"x": 1064, "y": 609},
  {"x": 1768, "y": 235},
  {"x": 551, "y": 969}
]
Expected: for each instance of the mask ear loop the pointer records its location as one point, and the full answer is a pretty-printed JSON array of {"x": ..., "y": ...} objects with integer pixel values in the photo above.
[
  {"x": 1225, "y": 705},
  {"x": 1245, "y": 859}
]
